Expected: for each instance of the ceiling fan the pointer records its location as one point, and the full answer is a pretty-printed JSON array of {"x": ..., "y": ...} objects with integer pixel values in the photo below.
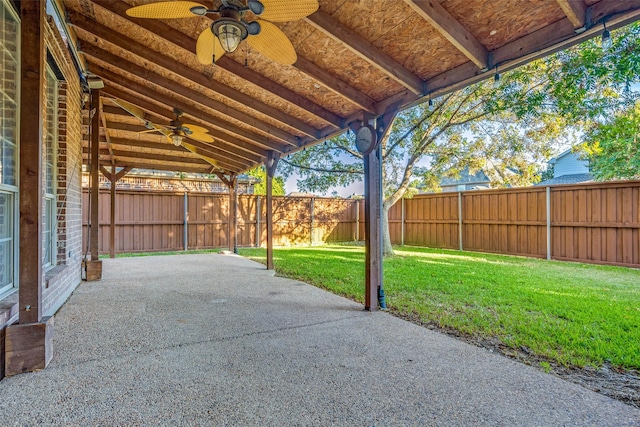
[
  {"x": 233, "y": 21},
  {"x": 176, "y": 132}
]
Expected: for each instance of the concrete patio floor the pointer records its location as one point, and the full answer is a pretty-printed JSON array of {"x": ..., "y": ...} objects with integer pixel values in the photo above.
[{"x": 216, "y": 339}]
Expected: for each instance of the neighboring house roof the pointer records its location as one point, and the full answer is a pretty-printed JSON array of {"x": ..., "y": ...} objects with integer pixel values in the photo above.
[{"x": 568, "y": 179}]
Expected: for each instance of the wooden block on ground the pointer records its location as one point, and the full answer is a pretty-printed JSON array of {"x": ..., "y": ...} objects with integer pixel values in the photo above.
[
  {"x": 94, "y": 270},
  {"x": 28, "y": 347}
]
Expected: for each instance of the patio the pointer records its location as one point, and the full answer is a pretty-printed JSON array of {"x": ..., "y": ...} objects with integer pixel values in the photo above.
[{"x": 218, "y": 340}]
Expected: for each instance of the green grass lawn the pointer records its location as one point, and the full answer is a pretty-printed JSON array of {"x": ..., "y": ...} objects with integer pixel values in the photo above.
[{"x": 571, "y": 314}]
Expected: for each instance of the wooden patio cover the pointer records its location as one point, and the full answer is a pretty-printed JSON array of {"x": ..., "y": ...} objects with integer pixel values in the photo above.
[{"x": 358, "y": 61}]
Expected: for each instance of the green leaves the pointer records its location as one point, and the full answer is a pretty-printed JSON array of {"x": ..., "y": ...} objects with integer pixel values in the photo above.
[{"x": 613, "y": 148}]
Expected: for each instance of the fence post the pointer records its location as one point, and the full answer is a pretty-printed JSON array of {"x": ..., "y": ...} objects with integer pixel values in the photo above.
[
  {"x": 186, "y": 222},
  {"x": 312, "y": 205},
  {"x": 460, "y": 220},
  {"x": 258, "y": 225},
  {"x": 548, "y": 222},
  {"x": 402, "y": 218},
  {"x": 357, "y": 220}
]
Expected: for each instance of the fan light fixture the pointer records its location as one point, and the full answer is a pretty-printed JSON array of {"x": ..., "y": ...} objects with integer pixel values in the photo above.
[
  {"x": 230, "y": 33},
  {"x": 177, "y": 138}
]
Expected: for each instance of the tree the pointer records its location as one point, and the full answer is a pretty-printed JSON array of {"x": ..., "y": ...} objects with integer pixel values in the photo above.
[
  {"x": 260, "y": 189},
  {"x": 613, "y": 148},
  {"x": 507, "y": 130}
]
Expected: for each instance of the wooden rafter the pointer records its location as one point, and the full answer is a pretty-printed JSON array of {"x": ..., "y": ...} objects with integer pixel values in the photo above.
[
  {"x": 122, "y": 81},
  {"x": 222, "y": 141},
  {"x": 179, "y": 39},
  {"x": 127, "y": 69},
  {"x": 574, "y": 10},
  {"x": 334, "y": 29},
  {"x": 184, "y": 72},
  {"x": 436, "y": 15},
  {"x": 212, "y": 147}
]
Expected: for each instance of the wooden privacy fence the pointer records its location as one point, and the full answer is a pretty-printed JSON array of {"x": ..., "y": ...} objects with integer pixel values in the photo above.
[
  {"x": 597, "y": 223},
  {"x": 147, "y": 221}
]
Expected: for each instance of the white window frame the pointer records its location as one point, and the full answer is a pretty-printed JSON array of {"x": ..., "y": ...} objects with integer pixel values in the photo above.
[
  {"x": 12, "y": 190},
  {"x": 50, "y": 241}
]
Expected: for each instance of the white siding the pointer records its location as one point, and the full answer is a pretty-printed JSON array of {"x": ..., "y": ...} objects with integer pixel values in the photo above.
[{"x": 570, "y": 164}]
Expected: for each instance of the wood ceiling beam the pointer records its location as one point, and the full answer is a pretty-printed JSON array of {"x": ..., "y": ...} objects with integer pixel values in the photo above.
[
  {"x": 438, "y": 17},
  {"x": 183, "y": 156},
  {"x": 363, "y": 48},
  {"x": 189, "y": 109},
  {"x": 179, "y": 39},
  {"x": 171, "y": 167},
  {"x": 574, "y": 10},
  {"x": 223, "y": 141},
  {"x": 185, "y": 72},
  {"x": 335, "y": 85},
  {"x": 128, "y": 68},
  {"x": 555, "y": 37},
  {"x": 206, "y": 150},
  {"x": 116, "y": 126}
]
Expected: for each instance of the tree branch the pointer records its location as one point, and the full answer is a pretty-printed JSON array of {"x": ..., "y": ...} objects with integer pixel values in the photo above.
[{"x": 355, "y": 172}]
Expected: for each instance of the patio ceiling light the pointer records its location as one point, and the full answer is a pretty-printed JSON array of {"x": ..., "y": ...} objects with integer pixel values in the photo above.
[
  {"x": 177, "y": 138},
  {"x": 230, "y": 32}
]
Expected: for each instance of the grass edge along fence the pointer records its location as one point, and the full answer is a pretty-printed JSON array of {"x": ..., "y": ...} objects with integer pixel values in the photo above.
[{"x": 594, "y": 223}]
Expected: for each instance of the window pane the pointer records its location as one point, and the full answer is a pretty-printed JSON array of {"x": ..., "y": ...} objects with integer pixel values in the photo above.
[
  {"x": 6, "y": 240},
  {"x": 8, "y": 93},
  {"x": 48, "y": 231}
]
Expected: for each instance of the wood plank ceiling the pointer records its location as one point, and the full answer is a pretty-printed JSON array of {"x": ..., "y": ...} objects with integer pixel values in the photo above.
[{"x": 356, "y": 60}]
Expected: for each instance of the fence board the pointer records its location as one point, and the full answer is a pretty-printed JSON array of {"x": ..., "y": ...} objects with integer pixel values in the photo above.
[{"x": 598, "y": 223}]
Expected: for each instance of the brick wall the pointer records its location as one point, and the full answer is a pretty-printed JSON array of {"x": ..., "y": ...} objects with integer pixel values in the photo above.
[{"x": 60, "y": 281}]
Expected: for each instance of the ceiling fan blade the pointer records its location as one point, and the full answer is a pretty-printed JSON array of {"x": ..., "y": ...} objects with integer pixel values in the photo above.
[
  {"x": 202, "y": 137},
  {"x": 273, "y": 43},
  {"x": 195, "y": 128},
  {"x": 164, "y": 10},
  {"x": 193, "y": 149},
  {"x": 130, "y": 108},
  {"x": 208, "y": 47},
  {"x": 287, "y": 10}
]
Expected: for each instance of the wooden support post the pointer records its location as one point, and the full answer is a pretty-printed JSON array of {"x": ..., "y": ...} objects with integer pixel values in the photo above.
[
  {"x": 31, "y": 125},
  {"x": 113, "y": 178},
  {"x": 112, "y": 214},
  {"x": 373, "y": 196},
  {"x": 232, "y": 184},
  {"x": 233, "y": 213},
  {"x": 271, "y": 163},
  {"x": 373, "y": 227},
  {"x": 94, "y": 265},
  {"x": 28, "y": 344}
]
